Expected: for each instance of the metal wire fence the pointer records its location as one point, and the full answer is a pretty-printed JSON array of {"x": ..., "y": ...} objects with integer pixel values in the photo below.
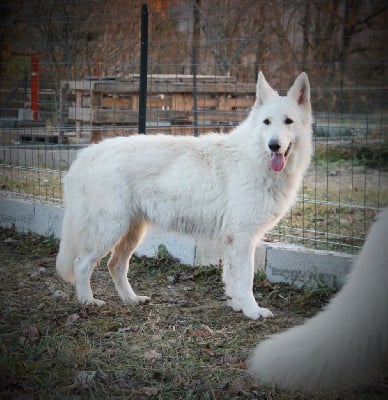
[{"x": 69, "y": 76}]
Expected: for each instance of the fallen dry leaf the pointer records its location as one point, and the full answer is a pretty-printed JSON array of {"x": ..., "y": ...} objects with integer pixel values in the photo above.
[
  {"x": 152, "y": 355},
  {"x": 149, "y": 390},
  {"x": 84, "y": 378}
]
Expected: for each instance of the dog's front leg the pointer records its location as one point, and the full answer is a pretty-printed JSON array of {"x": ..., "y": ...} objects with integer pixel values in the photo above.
[{"x": 238, "y": 274}]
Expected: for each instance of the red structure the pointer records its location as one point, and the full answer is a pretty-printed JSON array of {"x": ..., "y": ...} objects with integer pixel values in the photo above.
[{"x": 35, "y": 87}]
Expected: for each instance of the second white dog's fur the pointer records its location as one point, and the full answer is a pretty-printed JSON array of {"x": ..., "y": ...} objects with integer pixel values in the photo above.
[
  {"x": 230, "y": 188},
  {"x": 347, "y": 344}
]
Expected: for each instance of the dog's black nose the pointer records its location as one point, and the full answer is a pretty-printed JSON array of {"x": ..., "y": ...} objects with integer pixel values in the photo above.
[{"x": 274, "y": 145}]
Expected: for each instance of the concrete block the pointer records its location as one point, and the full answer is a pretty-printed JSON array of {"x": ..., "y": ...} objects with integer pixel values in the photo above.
[
  {"x": 208, "y": 252},
  {"x": 179, "y": 246},
  {"x": 283, "y": 263},
  {"x": 17, "y": 213},
  {"x": 307, "y": 268},
  {"x": 48, "y": 220}
]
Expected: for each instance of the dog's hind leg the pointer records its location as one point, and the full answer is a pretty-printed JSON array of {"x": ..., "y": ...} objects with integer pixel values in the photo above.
[
  {"x": 83, "y": 267},
  {"x": 119, "y": 262}
]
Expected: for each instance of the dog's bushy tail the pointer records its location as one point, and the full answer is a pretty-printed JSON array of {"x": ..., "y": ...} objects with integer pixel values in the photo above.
[
  {"x": 67, "y": 253},
  {"x": 346, "y": 345}
]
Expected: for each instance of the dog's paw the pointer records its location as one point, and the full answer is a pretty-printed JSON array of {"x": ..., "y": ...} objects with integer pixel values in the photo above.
[
  {"x": 265, "y": 313},
  {"x": 92, "y": 302},
  {"x": 134, "y": 300},
  {"x": 250, "y": 309},
  {"x": 258, "y": 313}
]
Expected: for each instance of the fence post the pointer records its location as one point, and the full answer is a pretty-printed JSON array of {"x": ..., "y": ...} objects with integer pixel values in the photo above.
[
  {"x": 194, "y": 61},
  {"x": 35, "y": 86},
  {"x": 143, "y": 69}
]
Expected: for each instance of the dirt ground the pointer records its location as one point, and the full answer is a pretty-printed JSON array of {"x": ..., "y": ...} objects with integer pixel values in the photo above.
[{"x": 184, "y": 344}]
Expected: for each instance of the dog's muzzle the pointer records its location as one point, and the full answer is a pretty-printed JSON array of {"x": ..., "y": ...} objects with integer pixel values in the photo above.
[{"x": 278, "y": 158}]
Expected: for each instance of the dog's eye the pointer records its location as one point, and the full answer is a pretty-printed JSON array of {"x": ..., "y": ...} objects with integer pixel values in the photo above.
[
  {"x": 288, "y": 121},
  {"x": 267, "y": 121}
]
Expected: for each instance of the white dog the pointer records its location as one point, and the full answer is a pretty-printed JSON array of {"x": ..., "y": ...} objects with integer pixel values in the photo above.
[
  {"x": 230, "y": 188},
  {"x": 347, "y": 344}
]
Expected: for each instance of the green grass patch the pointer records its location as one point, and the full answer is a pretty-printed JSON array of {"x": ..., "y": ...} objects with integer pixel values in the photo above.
[{"x": 374, "y": 155}]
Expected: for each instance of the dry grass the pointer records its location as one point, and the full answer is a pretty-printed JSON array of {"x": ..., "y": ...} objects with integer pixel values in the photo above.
[
  {"x": 184, "y": 344},
  {"x": 38, "y": 183}
]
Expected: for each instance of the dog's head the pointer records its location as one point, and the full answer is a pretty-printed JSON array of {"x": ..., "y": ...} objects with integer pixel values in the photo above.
[{"x": 283, "y": 120}]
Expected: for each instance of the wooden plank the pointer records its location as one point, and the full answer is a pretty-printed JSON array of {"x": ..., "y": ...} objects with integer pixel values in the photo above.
[
  {"x": 160, "y": 101},
  {"x": 105, "y": 116},
  {"x": 116, "y": 102},
  {"x": 183, "y": 82},
  {"x": 176, "y": 87}
]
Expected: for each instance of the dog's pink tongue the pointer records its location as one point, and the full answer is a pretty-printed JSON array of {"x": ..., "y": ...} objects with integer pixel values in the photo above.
[{"x": 277, "y": 161}]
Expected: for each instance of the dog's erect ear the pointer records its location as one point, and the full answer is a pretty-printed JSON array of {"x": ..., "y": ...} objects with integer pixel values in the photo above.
[
  {"x": 300, "y": 90},
  {"x": 263, "y": 90}
]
